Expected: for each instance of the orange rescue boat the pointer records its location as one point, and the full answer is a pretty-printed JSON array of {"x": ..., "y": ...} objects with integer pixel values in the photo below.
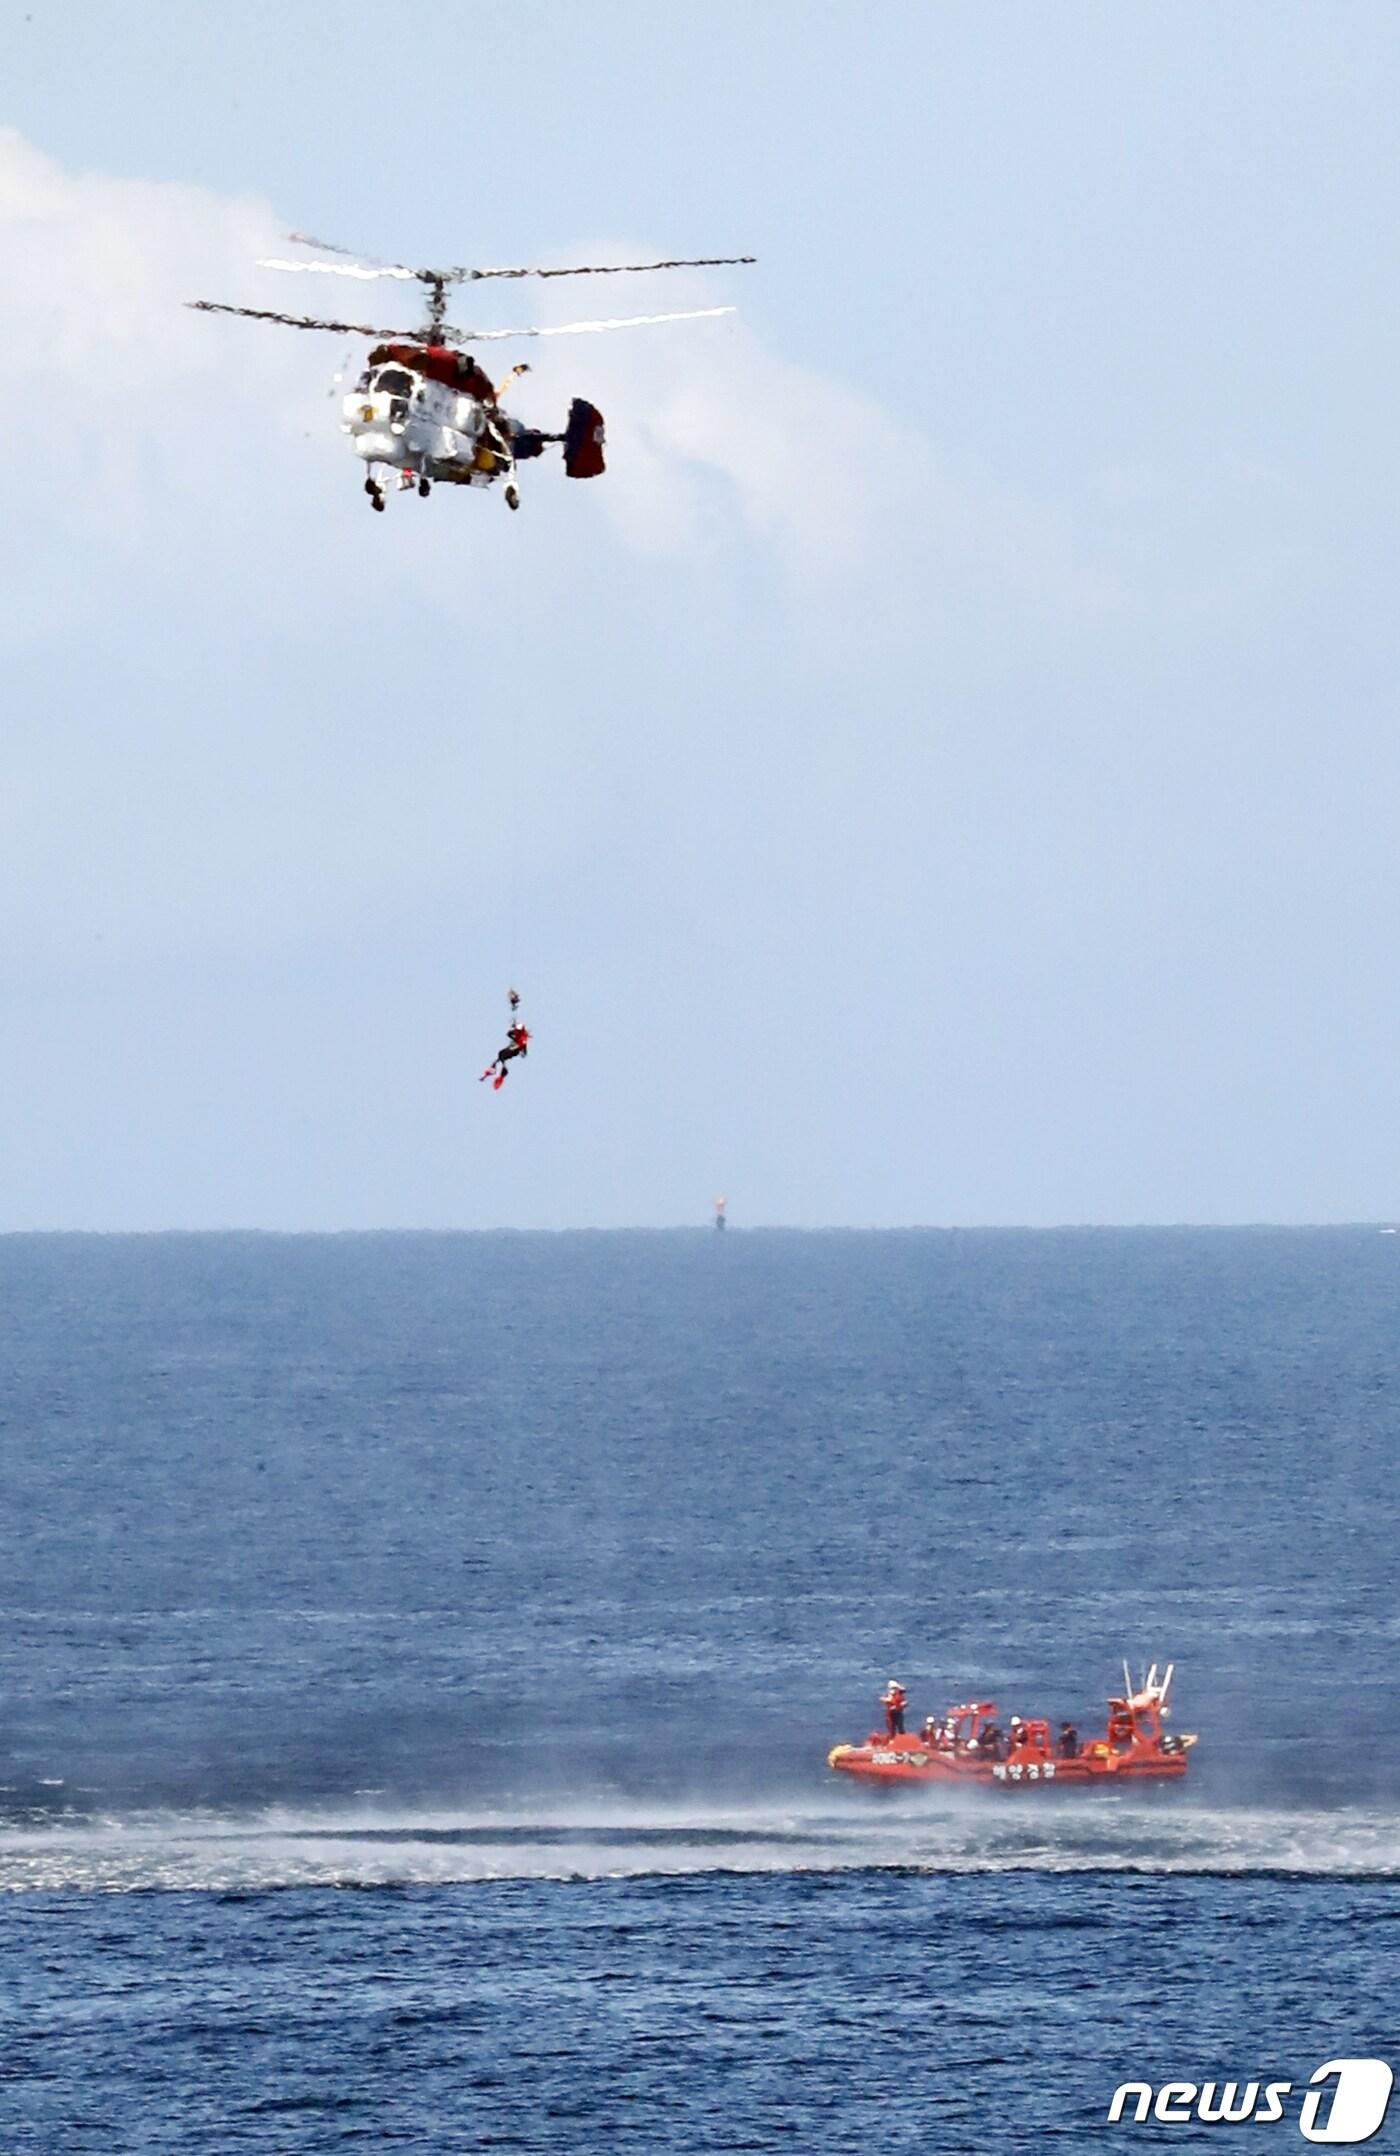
[{"x": 967, "y": 1747}]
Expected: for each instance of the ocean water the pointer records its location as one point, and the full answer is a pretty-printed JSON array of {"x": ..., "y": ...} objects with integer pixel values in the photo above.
[{"x": 419, "y": 1656}]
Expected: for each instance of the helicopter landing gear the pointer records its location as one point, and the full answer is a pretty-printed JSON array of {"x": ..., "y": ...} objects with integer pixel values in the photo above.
[
  {"x": 425, "y": 488},
  {"x": 512, "y": 496},
  {"x": 375, "y": 493}
]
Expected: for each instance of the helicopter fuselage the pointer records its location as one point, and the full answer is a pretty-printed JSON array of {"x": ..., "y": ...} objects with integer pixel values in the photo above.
[{"x": 428, "y": 430}]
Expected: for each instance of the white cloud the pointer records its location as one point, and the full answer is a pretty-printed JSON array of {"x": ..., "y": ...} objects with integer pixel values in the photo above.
[
  {"x": 810, "y": 467},
  {"x": 96, "y": 270}
]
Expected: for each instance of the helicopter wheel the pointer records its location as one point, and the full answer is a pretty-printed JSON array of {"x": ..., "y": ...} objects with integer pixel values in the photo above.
[
  {"x": 512, "y": 498},
  {"x": 378, "y": 501},
  {"x": 424, "y": 489}
]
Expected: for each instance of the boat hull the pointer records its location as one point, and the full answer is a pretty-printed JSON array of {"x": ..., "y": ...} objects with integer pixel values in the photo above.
[{"x": 898, "y": 1762}]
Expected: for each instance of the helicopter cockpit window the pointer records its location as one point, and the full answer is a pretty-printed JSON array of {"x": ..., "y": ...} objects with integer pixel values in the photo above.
[{"x": 394, "y": 383}]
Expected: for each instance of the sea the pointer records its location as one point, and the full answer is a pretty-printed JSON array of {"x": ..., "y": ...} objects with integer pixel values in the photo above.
[{"x": 419, "y": 1655}]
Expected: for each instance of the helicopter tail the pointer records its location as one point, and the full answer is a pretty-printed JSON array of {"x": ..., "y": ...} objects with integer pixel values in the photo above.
[{"x": 583, "y": 441}]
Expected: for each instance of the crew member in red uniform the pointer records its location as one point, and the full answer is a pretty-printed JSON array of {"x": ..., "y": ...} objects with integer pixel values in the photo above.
[
  {"x": 517, "y": 1044},
  {"x": 894, "y": 1699}
]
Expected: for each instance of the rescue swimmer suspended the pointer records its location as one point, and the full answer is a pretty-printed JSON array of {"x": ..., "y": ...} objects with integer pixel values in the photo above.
[
  {"x": 424, "y": 410},
  {"x": 517, "y": 1044}
]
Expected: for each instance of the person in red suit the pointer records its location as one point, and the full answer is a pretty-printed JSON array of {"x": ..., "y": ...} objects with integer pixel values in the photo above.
[
  {"x": 894, "y": 1699},
  {"x": 517, "y": 1044}
]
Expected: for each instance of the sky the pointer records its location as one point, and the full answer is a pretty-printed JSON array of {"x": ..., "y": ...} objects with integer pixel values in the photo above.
[{"x": 944, "y": 773}]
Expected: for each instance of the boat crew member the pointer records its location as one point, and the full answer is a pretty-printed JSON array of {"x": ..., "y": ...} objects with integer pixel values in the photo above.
[
  {"x": 1069, "y": 1741},
  {"x": 894, "y": 1700},
  {"x": 929, "y": 1732},
  {"x": 1018, "y": 1732}
]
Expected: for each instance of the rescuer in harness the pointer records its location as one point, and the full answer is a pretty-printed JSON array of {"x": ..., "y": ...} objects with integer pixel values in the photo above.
[
  {"x": 894, "y": 1699},
  {"x": 517, "y": 1044}
]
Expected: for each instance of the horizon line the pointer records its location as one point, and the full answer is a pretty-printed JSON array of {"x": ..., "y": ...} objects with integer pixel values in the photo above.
[{"x": 1381, "y": 1225}]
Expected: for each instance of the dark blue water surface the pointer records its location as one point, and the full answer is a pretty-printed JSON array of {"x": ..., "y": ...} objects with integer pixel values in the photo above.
[{"x": 523, "y": 1582}]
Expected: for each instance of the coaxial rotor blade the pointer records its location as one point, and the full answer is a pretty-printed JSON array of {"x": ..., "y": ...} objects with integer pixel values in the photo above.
[
  {"x": 343, "y": 269},
  {"x": 353, "y": 254},
  {"x": 600, "y": 269},
  {"x": 299, "y": 321},
  {"x": 329, "y": 247},
  {"x": 575, "y": 329},
  {"x": 447, "y": 334},
  {"x": 475, "y": 276}
]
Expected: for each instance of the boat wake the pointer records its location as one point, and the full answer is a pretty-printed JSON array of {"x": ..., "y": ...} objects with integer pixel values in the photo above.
[{"x": 369, "y": 1847}]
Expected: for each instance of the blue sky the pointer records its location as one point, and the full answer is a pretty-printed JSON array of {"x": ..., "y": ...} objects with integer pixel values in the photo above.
[{"x": 945, "y": 772}]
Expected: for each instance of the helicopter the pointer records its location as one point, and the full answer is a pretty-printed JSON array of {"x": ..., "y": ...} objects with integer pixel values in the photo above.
[{"x": 423, "y": 411}]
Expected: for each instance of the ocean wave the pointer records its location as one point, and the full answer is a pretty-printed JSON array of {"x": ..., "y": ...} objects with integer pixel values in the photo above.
[{"x": 375, "y": 1848}]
